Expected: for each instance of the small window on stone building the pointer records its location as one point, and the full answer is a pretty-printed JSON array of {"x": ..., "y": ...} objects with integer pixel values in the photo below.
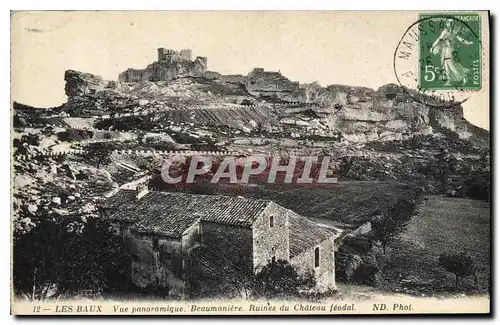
[
  {"x": 271, "y": 221},
  {"x": 155, "y": 244},
  {"x": 273, "y": 259},
  {"x": 316, "y": 257}
]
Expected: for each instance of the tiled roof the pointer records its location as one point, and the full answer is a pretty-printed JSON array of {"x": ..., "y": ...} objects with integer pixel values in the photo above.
[
  {"x": 170, "y": 214},
  {"x": 122, "y": 199},
  {"x": 305, "y": 233}
]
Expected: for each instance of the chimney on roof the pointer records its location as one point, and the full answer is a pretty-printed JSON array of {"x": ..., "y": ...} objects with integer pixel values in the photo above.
[{"x": 141, "y": 190}]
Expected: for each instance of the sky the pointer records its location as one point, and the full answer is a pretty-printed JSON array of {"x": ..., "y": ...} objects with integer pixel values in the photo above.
[{"x": 351, "y": 48}]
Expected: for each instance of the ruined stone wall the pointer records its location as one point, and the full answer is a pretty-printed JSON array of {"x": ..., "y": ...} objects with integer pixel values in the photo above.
[
  {"x": 171, "y": 64},
  {"x": 324, "y": 274},
  {"x": 233, "y": 244},
  {"x": 165, "y": 54},
  {"x": 157, "y": 268},
  {"x": 186, "y": 54},
  {"x": 191, "y": 238},
  {"x": 271, "y": 241},
  {"x": 202, "y": 62},
  {"x": 199, "y": 67},
  {"x": 164, "y": 71},
  {"x": 135, "y": 75}
]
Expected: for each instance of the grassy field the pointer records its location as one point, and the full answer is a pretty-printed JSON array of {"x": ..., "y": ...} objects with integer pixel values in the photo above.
[
  {"x": 347, "y": 204},
  {"x": 443, "y": 225}
]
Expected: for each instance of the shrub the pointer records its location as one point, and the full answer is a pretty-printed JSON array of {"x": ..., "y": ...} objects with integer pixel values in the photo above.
[
  {"x": 460, "y": 264},
  {"x": 280, "y": 279}
]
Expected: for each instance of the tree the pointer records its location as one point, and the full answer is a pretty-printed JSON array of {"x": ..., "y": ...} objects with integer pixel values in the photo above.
[
  {"x": 35, "y": 261},
  {"x": 280, "y": 279},
  {"x": 91, "y": 254},
  {"x": 460, "y": 264},
  {"x": 65, "y": 257},
  {"x": 444, "y": 167},
  {"x": 384, "y": 228},
  {"x": 345, "y": 166},
  {"x": 98, "y": 154}
]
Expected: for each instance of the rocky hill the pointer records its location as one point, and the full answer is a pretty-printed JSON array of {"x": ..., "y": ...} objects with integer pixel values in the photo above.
[{"x": 381, "y": 134}]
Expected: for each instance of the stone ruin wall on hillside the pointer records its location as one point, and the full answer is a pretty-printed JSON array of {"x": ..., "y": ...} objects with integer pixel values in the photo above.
[{"x": 170, "y": 64}]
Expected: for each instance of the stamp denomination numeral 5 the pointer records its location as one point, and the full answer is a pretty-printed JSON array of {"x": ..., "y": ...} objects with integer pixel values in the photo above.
[{"x": 431, "y": 72}]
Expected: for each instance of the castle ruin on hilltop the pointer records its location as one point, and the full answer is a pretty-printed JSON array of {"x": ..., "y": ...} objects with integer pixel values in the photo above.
[{"x": 170, "y": 64}]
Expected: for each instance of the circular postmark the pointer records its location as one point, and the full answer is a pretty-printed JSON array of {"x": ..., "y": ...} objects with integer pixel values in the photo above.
[{"x": 438, "y": 60}]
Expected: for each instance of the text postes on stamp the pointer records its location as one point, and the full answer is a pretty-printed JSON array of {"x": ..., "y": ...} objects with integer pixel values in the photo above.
[{"x": 438, "y": 60}]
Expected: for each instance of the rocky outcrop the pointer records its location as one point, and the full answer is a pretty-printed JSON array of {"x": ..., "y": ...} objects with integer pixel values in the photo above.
[
  {"x": 272, "y": 84},
  {"x": 231, "y": 79},
  {"x": 82, "y": 83},
  {"x": 88, "y": 94},
  {"x": 356, "y": 114}
]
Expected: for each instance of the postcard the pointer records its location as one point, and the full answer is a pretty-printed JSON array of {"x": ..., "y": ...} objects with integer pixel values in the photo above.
[{"x": 250, "y": 163}]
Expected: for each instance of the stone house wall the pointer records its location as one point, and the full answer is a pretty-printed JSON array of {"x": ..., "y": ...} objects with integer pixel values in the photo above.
[
  {"x": 121, "y": 227},
  {"x": 324, "y": 274},
  {"x": 191, "y": 237},
  {"x": 232, "y": 243},
  {"x": 269, "y": 242},
  {"x": 162, "y": 267}
]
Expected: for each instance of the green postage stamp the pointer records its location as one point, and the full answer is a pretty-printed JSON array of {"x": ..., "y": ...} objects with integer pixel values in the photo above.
[{"x": 450, "y": 51}]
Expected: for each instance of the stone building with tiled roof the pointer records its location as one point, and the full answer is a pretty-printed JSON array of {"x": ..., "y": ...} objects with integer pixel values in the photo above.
[{"x": 230, "y": 236}]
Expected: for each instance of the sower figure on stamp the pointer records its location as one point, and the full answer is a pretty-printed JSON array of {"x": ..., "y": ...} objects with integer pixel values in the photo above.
[{"x": 447, "y": 42}]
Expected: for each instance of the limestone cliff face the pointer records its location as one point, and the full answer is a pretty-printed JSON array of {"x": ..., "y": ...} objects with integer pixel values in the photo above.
[
  {"x": 362, "y": 114},
  {"x": 81, "y": 83},
  {"x": 357, "y": 114},
  {"x": 87, "y": 93}
]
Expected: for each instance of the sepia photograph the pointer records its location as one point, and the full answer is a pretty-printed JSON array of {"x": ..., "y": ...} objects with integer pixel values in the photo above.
[{"x": 250, "y": 163}]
